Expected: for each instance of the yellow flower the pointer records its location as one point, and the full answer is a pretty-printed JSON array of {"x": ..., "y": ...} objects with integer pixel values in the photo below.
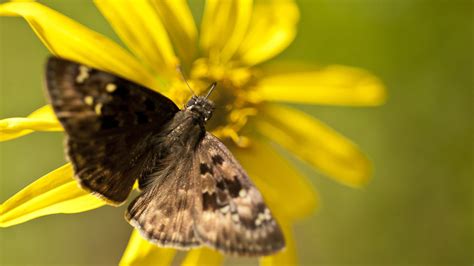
[{"x": 235, "y": 37}]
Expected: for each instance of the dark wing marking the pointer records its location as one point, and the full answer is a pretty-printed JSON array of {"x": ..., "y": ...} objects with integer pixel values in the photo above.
[
  {"x": 107, "y": 120},
  {"x": 230, "y": 213},
  {"x": 163, "y": 212}
]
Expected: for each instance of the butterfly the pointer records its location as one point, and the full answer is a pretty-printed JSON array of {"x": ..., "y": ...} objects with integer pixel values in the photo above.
[{"x": 193, "y": 190}]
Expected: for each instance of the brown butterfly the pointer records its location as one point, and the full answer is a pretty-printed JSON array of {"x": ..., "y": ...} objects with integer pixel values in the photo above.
[{"x": 193, "y": 190}]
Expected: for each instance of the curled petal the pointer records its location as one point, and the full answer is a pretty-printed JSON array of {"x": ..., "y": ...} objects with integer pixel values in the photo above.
[
  {"x": 42, "y": 119},
  {"x": 56, "y": 192},
  {"x": 315, "y": 143},
  {"x": 141, "y": 252},
  {"x": 223, "y": 27},
  {"x": 140, "y": 28},
  {"x": 288, "y": 255},
  {"x": 334, "y": 85},
  {"x": 178, "y": 21},
  {"x": 271, "y": 30},
  {"x": 68, "y": 39},
  {"x": 203, "y": 256},
  {"x": 274, "y": 177}
]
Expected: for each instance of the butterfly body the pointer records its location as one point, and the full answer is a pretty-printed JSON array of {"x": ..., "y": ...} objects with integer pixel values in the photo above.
[
  {"x": 187, "y": 127},
  {"x": 193, "y": 190}
]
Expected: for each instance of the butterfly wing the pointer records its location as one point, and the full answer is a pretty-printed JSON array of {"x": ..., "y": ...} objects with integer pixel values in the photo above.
[
  {"x": 163, "y": 212},
  {"x": 109, "y": 123},
  {"x": 205, "y": 197},
  {"x": 230, "y": 214}
]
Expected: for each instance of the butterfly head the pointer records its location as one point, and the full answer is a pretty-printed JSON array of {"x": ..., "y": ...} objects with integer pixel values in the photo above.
[{"x": 202, "y": 106}]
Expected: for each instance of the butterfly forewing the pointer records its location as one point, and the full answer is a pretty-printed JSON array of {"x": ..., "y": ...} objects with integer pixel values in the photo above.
[
  {"x": 91, "y": 103},
  {"x": 107, "y": 120}
]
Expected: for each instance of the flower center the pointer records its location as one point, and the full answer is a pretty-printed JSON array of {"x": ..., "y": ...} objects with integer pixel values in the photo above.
[{"x": 232, "y": 97}]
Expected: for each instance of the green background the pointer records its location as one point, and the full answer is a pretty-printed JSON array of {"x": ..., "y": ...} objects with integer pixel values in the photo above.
[{"x": 416, "y": 210}]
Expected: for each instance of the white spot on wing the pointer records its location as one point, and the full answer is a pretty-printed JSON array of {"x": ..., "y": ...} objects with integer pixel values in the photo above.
[
  {"x": 89, "y": 100},
  {"x": 235, "y": 217},
  {"x": 83, "y": 74},
  {"x": 98, "y": 108},
  {"x": 110, "y": 87},
  {"x": 225, "y": 209},
  {"x": 261, "y": 217},
  {"x": 267, "y": 214},
  {"x": 242, "y": 193}
]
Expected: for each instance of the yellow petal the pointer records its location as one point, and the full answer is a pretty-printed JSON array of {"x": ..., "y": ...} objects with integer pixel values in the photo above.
[
  {"x": 56, "y": 192},
  {"x": 178, "y": 21},
  {"x": 335, "y": 85},
  {"x": 275, "y": 177},
  {"x": 42, "y": 119},
  {"x": 315, "y": 143},
  {"x": 68, "y": 39},
  {"x": 203, "y": 256},
  {"x": 141, "y": 252},
  {"x": 140, "y": 28},
  {"x": 288, "y": 255},
  {"x": 223, "y": 27},
  {"x": 271, "y": 30}
]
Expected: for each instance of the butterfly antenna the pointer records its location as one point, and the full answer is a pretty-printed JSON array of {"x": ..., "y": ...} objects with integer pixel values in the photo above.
[
  {"x": 211, "y": 88},
  {"x": 180, "y": 70}
]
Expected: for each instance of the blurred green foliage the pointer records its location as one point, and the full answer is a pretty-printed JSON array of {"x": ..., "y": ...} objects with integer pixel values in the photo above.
[{"x": 416, "y": 210}]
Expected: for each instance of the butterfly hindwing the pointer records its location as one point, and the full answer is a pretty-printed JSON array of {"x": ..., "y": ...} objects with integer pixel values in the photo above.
[
  {"x": 230, "y": 213},
  {"x": 107, "y": 120},
  {"x": 163, "y": 212}
]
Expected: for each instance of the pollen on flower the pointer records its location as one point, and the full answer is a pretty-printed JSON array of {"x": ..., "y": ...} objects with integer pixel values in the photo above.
[{"x": 232, "y": 98}]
